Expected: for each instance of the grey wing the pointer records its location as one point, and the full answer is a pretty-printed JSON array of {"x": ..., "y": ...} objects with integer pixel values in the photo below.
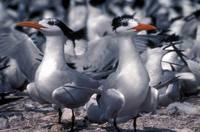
[
  {"x": 8, "y": 41},
  {"x": 171, "y": 94},
  {"x": 107, "y": 106},
  {"x": 20, "y": 47},
  {"x": 100, "y": 60},
  {"x": 34, "y": 94},
  {"x": 156, "y": 40},
  {"x": 103, "y": 55},
  {"x": 99, "y": 75},
  {"x": 72, "y": 96}
]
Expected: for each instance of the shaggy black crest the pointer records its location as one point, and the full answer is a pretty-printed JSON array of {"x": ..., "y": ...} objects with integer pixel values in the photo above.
[
  {"x": 121, "y": 21},
  {"x": 66, "y": 30},
  {"x": 69, "y": 33}
]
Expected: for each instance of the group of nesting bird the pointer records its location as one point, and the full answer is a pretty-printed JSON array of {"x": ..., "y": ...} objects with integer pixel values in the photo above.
[{"x": 126, "y": 66}]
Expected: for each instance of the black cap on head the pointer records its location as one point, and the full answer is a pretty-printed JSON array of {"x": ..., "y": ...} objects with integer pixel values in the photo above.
[
  {"x": 66, "y": 30},
  {"x": 69, "y": 33},
  {"x": 121, "y": 21}
]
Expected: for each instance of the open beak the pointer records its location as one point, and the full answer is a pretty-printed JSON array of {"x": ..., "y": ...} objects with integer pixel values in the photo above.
[
  {"x": 32, "y": 24},
  {"x": 146, "y": 27}
]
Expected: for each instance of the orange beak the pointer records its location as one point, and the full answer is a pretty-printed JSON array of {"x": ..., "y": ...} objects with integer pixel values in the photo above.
[
  {"x": 32, "y": 24},
  {"x": 142, "y": 26}
]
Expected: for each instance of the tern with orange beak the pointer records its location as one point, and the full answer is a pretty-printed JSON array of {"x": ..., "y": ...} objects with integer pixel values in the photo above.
[
  {"x": 106, "y": 49},
  {"x": 126, "y": 92},
  {"x": 53, "y": 74}
]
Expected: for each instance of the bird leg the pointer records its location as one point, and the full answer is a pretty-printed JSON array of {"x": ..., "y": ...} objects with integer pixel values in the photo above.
[
  {"x": 59, "y": 115},
  {"x": 135, "y": 123},
  {"x": 115, "y": 125},
  {"x": 73, "y": 121},
  {"x": 74, "y": 44}
]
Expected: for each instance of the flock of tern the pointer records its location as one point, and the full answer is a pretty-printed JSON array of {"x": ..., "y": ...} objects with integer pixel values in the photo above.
[{"x": 117, "y": 58}]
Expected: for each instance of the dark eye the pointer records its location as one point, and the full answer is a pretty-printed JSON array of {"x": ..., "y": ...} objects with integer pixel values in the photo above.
[
  {"x": 125, "y": 24},
  {"x": 51, "y": 22}
]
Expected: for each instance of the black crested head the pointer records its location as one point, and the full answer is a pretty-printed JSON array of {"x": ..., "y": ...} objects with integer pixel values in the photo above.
[
  {"x": 121, "y": 21},
  {"x": 69, "y": 33},
  {"x": 66, "y": 30}
]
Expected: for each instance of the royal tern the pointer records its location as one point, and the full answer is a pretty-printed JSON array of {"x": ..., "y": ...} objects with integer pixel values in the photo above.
[
  {"x": 128, "y": 83},
  {"x": 106, "y": 45},
  {"x": 153, "y": 61},
  {"x": 163, "y": 80},
  {"x": 53, "y": 74}
]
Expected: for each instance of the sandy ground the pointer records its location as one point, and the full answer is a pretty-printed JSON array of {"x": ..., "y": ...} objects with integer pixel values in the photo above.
[{"x": 25, "y": 115}]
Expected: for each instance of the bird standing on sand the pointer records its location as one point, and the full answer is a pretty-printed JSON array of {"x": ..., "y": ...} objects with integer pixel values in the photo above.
[
  {"x": 53, "y": 74},
  {"x": 126, "y": 92}
]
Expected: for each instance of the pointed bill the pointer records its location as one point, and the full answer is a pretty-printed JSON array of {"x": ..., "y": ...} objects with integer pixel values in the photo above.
[
  {"x": 32, "y": 24},
  {"x": 146, "y": 27}
]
